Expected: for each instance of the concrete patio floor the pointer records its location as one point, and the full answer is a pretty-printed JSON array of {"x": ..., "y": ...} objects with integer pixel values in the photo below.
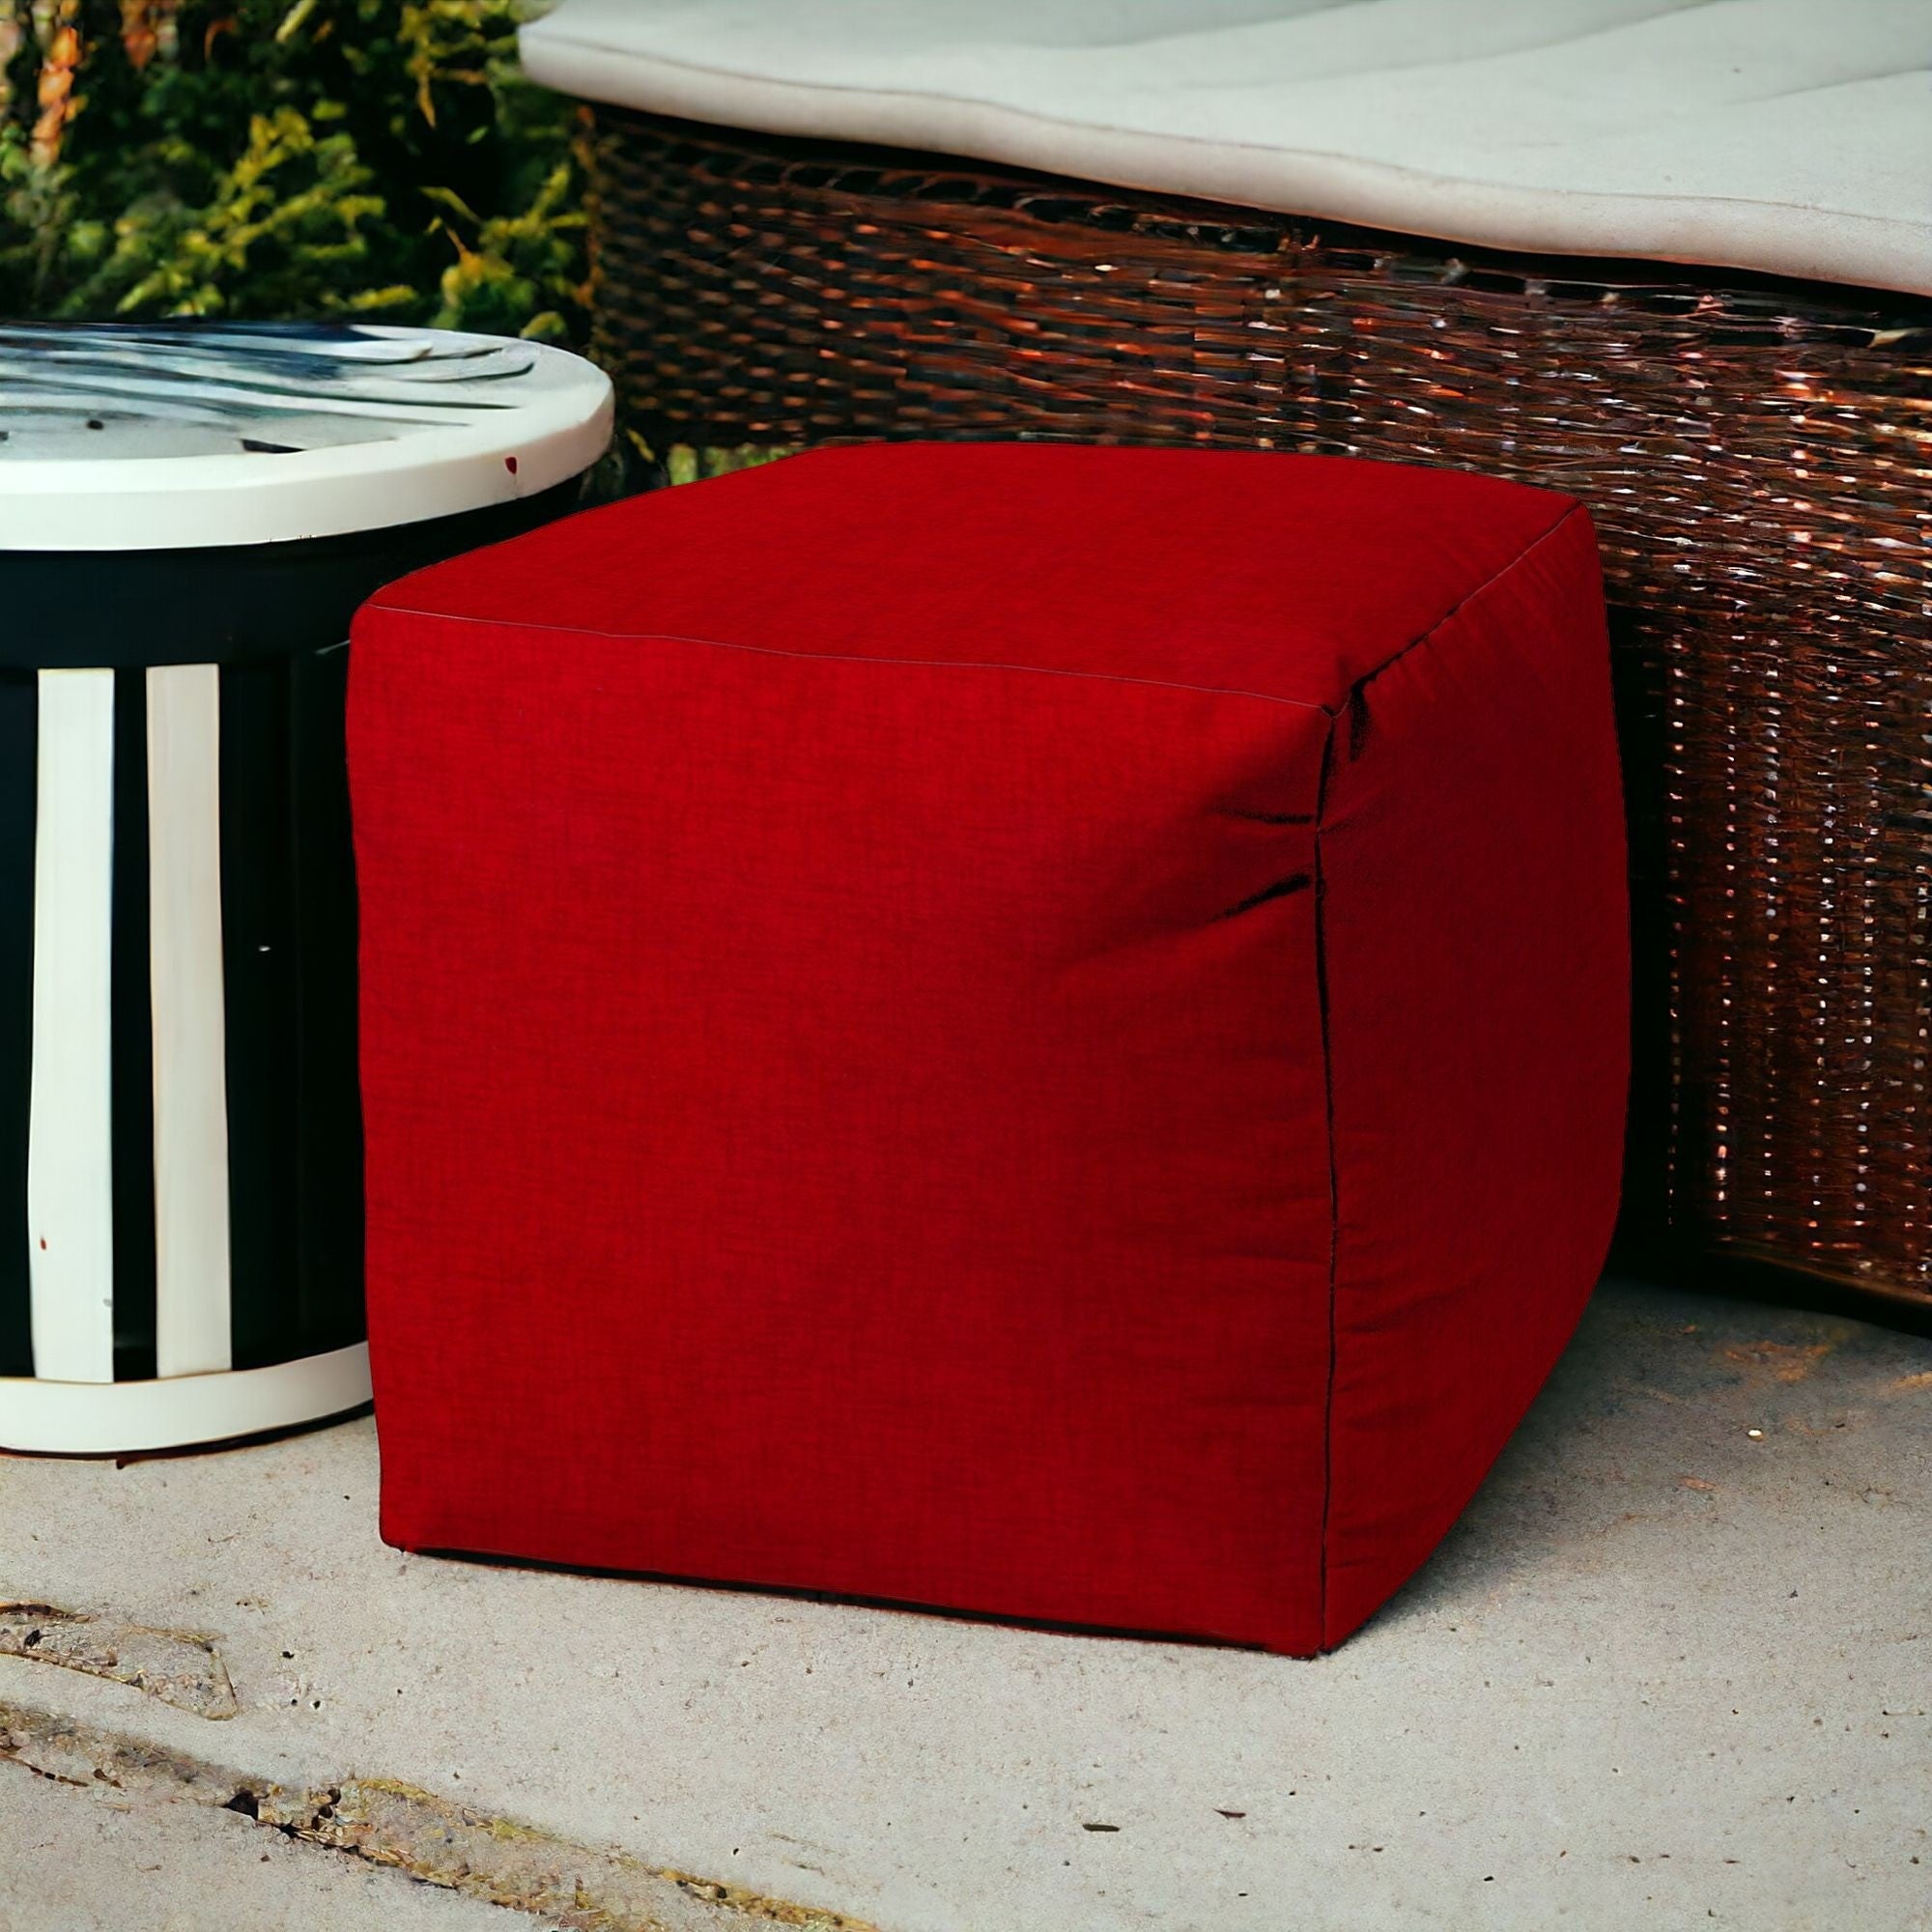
[{"x": 1674, "y": 1669}]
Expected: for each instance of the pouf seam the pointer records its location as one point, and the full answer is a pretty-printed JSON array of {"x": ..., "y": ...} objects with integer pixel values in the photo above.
[
  {"x": 863, "y": 657},
  {"x": 1334, "y": 1185},
  {"x": 1351, "y": 706},
  {"x": 1468, "y": 597},
  {"x": 1348, "y": 696}
]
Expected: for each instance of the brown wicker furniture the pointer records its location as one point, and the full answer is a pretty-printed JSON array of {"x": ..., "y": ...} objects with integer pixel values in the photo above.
[{"x": 1756, "y": 454}]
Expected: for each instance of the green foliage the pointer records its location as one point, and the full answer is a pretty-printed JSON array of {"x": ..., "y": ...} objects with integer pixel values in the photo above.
[
  {"x": 684, "y": 462},
  {"x": 286, "y": 159}
]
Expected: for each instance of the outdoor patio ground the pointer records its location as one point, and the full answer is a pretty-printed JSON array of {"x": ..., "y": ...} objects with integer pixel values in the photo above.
[{"x": 1674, "y": 1669}]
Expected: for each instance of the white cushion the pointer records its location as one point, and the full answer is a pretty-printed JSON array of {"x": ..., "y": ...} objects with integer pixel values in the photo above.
[{"x": 1787, "y": 135}]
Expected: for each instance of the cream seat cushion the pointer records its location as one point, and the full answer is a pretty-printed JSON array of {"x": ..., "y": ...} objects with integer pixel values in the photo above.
[{"x": 1793, "y": 136}]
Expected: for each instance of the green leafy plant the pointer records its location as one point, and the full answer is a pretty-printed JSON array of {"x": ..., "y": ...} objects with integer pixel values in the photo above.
[{"x": 287, "y": 158}]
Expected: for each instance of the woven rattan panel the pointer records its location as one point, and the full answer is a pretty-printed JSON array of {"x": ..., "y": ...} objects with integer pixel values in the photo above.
[{"x": 1757, "y": 456}]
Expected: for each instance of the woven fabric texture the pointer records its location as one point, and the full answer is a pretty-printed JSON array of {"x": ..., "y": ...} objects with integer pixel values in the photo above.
[{"x": 911, "y": 1051}]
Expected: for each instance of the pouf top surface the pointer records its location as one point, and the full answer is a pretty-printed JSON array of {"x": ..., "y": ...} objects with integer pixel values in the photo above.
[
  {"x": 1793, "y": 136},
  {"x": 182, "y": 434},
  {"x": 969, "y": 1025},
  {"x": 1286, "y": 577}
]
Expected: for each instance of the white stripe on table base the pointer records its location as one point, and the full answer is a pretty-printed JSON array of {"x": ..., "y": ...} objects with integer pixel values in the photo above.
[
  {"x": 70, "y": 1149},
  {"x": 191, "y": 1271}
]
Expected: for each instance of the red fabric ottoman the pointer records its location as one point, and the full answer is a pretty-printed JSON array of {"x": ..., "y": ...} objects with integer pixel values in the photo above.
[{"x": 1022, "y": 1029}]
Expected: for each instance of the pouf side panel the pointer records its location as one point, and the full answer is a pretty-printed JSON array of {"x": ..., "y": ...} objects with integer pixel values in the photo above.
[
  {"x": 845, "y": 1126},
  {"x": 1477, "y": 963}
]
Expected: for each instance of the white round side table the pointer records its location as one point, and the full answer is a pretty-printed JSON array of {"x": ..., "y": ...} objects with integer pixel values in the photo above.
[{"x": 189, "y": 513}]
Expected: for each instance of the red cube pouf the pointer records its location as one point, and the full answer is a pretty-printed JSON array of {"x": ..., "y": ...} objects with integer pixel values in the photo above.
[{"x": 1016, "y": 1028}]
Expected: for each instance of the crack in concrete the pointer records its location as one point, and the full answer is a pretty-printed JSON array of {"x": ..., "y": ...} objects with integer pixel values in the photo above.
[
  {"x": 573, "y": 1886},
  {"x": 181, "y": 1667}
]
